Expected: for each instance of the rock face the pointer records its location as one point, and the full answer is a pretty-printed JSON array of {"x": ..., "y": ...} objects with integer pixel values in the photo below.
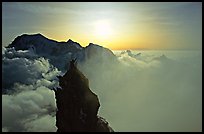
[{"x": 77, "y": 105}]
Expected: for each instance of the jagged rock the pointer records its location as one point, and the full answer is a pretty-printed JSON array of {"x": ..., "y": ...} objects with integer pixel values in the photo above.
[{"x": 77, "y": 105}]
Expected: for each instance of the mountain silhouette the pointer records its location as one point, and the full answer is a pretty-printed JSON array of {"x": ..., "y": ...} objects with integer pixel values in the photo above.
[{"x": 59, "y": 53}]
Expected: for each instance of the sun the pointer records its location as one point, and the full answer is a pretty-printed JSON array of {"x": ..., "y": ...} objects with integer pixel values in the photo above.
[{"x": 103, "y": 29}]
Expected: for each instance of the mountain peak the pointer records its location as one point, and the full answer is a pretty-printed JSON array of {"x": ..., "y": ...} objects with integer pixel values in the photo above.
[
  {"x": 82, "y": 104},
  {"x": 70, "y": 40},
  {"x": 24, "y": 41},
  {"x": 32, "y": 35},
  {"x": 92, "y": 44},
  {"x": 74, "y": 43}
]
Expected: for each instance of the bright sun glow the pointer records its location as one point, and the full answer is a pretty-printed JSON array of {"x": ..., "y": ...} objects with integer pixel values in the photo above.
[{"x": 103, "y": 29}]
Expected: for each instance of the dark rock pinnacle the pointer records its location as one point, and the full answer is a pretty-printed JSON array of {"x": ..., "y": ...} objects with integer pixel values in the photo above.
[{"x": 77, "y": 105}]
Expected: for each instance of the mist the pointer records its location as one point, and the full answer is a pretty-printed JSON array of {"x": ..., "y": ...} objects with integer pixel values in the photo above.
[
  {"x": 137, "y": 92},
  {"x": 149, "y": 93}
]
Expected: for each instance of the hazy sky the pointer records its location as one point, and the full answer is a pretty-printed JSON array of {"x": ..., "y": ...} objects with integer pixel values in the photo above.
[{"x": 116, "y": 25}]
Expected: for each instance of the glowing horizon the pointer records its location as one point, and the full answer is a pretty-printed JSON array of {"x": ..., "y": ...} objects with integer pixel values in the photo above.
[{"x": 115, "y": 25}]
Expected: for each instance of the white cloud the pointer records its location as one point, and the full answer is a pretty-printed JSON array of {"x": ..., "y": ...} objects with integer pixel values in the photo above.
[
  {"x": 31, "y": 101},
  {"x": 136, "y": 93},
  {"x": 43, "y": 124},
  {"x": 29, "y": 70},
  {"x": 28, "y": 106},
  {"x": 159, "y": 95}
]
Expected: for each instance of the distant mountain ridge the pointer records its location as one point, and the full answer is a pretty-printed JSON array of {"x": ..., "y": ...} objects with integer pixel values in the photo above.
[
  {"x": 61, "y": 52},
  {"x": 42, "y": 44}
]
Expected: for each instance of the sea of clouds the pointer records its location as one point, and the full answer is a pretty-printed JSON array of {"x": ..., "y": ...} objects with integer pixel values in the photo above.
[{"x": 139, "y": 92}]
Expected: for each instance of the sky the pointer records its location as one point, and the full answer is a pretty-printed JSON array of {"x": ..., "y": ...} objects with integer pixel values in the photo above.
[{"x": 115, "y": 25}]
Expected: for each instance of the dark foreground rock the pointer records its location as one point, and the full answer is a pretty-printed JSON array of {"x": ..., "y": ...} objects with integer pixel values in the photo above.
[{"x": 77, "y": 105}]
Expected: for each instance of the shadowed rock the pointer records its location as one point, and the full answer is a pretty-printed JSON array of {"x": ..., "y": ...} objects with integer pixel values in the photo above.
[{"x": 77, "y": 105}]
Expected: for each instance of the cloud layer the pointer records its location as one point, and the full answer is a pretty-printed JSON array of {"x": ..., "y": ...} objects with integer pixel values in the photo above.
[
  {"x": 138, "y": 92},
  {"x": 150, "y": 92},
  {"x": 28, "y": 103}
]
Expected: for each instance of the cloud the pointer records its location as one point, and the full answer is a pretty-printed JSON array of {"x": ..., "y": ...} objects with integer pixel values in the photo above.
[
  {"x": 162, "y": 94},
  {"x": 44, "y": 124},
  {"x": 51, "y": 8},
  {"x": 27, "y": 68},
  {"x": 27, "y": 108},
  {"x": 27, "y": 100},
  {"x": 138, "y": 62},
  {"x": 138, "y": 92}
]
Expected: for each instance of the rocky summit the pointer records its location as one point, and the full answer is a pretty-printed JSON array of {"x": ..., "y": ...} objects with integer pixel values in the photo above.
[{"x": 77, "y": 105}]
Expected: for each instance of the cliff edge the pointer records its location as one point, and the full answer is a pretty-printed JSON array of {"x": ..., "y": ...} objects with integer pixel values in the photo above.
[{"x": 77, "y": 105}]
